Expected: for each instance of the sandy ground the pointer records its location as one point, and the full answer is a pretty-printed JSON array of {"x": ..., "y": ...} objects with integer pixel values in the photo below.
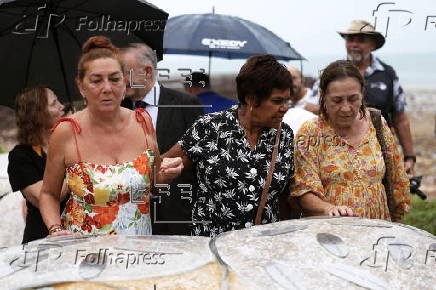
[{"x": 422, "y": 114}]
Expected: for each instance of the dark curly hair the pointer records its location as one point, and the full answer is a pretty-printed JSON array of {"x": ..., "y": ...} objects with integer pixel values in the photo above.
[
  {"x": 337, "y": 70},
  {"x": 259, "y": 76},
  {"x": 31, "y": 115}
]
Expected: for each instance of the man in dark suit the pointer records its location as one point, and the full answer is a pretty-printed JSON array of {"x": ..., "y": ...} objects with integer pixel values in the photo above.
[{"x": 172, "y": 112}]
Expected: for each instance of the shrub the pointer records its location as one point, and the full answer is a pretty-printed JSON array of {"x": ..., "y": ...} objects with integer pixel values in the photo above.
[{"x": 422, "y": 215}]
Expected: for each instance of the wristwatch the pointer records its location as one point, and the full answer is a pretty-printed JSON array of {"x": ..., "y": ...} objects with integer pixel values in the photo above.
[{"x": 407, "y": 157}]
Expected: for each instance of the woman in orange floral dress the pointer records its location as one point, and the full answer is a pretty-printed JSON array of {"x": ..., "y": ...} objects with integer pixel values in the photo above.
[
  {"x": 109, "y": 155},
  {"x": 339, "y": 164}
]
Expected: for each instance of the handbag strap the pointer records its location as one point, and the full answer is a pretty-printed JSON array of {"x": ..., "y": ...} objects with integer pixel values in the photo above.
[
  {"x": 268, "y": 178},
  {"x": 387, "y": 179}
]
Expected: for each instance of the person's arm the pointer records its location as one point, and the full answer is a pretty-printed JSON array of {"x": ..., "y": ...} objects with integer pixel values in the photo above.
[
  {"x": 25, "y": 174},
  {"x": 313, "y": 205},
  {"x": 402, "y": 129},
  {"x": 400, "y": 182},
  {"x": 191, "y": 145},
  {"x": 50, "y": 195},
  {"x": 312, "y": 108},
  {"x": 166, "y": 168},
  {"x": 32, "y": 192},
  {"x": 306, "y": 185},
  {"x": 177, "y": 151}
]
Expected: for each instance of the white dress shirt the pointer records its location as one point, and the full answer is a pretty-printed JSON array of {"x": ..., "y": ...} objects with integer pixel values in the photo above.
[
  {"x": 295, "y": 117},
  {"x": 152, "y": 100}
]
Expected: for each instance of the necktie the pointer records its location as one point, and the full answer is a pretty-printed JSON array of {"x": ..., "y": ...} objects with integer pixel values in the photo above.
[{"x": 140, "y": 104}]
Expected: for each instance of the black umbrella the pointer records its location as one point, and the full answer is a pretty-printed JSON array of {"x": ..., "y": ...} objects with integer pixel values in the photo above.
[
  {"x": 40, "y": 41},
  {"x": 223, "y": 36}
]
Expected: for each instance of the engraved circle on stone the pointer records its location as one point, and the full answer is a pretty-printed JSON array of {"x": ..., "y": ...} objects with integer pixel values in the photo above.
[
  {"x": 333, "y": 244},
  {"x": 253, "y": 171},
  {"x": 251, "y": 188}
]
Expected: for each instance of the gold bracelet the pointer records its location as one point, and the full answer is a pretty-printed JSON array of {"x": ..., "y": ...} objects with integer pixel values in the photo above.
[
  {"x": 55, "y": 229},
  {"x": 54, "y": 226}
]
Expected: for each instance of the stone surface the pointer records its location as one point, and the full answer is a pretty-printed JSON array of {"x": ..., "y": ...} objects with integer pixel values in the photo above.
[
  {"x": 317, "y": 253},
  {"x": 297, "y": 259},
  {"x": 101, "y": 261},
  {"x": 12, "y": 224},
  {"x": 12, "y": 227}
]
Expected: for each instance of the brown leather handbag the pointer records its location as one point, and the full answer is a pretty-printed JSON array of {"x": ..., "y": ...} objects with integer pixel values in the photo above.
[{"x": 387, "y": 179}]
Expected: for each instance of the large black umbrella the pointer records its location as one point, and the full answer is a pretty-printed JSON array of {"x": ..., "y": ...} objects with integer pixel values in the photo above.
[
  {"x": 223, "y": 36},
  {"x": 40, "y": 41}
]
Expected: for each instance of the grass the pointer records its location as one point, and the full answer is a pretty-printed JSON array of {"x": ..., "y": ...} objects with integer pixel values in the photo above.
[
  {"x": 422, "y": 215},
  {"x": 2, "y": 150}
]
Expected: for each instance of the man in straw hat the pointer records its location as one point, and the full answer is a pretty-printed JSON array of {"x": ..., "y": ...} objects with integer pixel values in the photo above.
[{"x": 383, "y": 90}]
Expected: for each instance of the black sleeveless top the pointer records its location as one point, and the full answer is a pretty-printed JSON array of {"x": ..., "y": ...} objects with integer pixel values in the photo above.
[{"x": 25, "y": 168}]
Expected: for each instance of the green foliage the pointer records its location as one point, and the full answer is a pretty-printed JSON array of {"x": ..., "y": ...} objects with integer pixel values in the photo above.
[
  {"x": 2, "y": 150},
  {"x": 422, "y": 215}
]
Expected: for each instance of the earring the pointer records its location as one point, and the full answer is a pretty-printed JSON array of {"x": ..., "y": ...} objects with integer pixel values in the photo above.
[{"x": 251, "y": 109}]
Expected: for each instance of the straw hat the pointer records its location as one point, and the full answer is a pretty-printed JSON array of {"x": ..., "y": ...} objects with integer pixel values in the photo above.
[{"x": 364, "y": 27}]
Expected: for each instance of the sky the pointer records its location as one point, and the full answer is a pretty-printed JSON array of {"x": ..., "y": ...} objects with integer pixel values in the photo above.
[{"x": 311, "y": 27}]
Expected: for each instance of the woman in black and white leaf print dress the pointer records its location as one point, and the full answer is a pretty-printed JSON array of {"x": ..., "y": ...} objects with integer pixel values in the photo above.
[{"x": 231, "y": 151}]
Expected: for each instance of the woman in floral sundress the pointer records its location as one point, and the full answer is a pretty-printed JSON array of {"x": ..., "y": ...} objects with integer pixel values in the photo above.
[{"x": 109, "y": 155}]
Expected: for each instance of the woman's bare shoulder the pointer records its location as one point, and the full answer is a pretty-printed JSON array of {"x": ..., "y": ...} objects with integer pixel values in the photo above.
[{"x": 69, "y": 125}]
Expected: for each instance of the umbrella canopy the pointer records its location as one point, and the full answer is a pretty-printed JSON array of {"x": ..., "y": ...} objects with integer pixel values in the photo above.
[
  {"x": 223, "y": 36},
  {"x": 40, "y": 41}
]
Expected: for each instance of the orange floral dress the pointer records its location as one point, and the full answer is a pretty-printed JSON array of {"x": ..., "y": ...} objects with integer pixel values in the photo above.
[
  {"x": 109, "y": 199},
  {"x": 338, "y": 173}
]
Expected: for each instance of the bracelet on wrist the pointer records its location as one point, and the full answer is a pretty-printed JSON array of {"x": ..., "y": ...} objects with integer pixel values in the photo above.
[
  {"x": 55, "y": 230},
  {"x": 53, "y": 226},
  {"x": 407, "y": 157}
]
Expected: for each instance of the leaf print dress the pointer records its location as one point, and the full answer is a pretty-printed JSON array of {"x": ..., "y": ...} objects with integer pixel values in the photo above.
[
  {"x": 231, "y": 176},
  {"x": 109, "y": 199}
]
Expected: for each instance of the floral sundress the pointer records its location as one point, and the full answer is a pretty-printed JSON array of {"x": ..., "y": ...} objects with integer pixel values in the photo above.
[
  {"x": 109, "y": 199},
  {"x": 342, "y": 174}
]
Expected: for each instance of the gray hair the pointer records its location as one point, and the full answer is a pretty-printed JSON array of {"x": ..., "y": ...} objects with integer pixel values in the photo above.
[{"x": 144, "y": 55}]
